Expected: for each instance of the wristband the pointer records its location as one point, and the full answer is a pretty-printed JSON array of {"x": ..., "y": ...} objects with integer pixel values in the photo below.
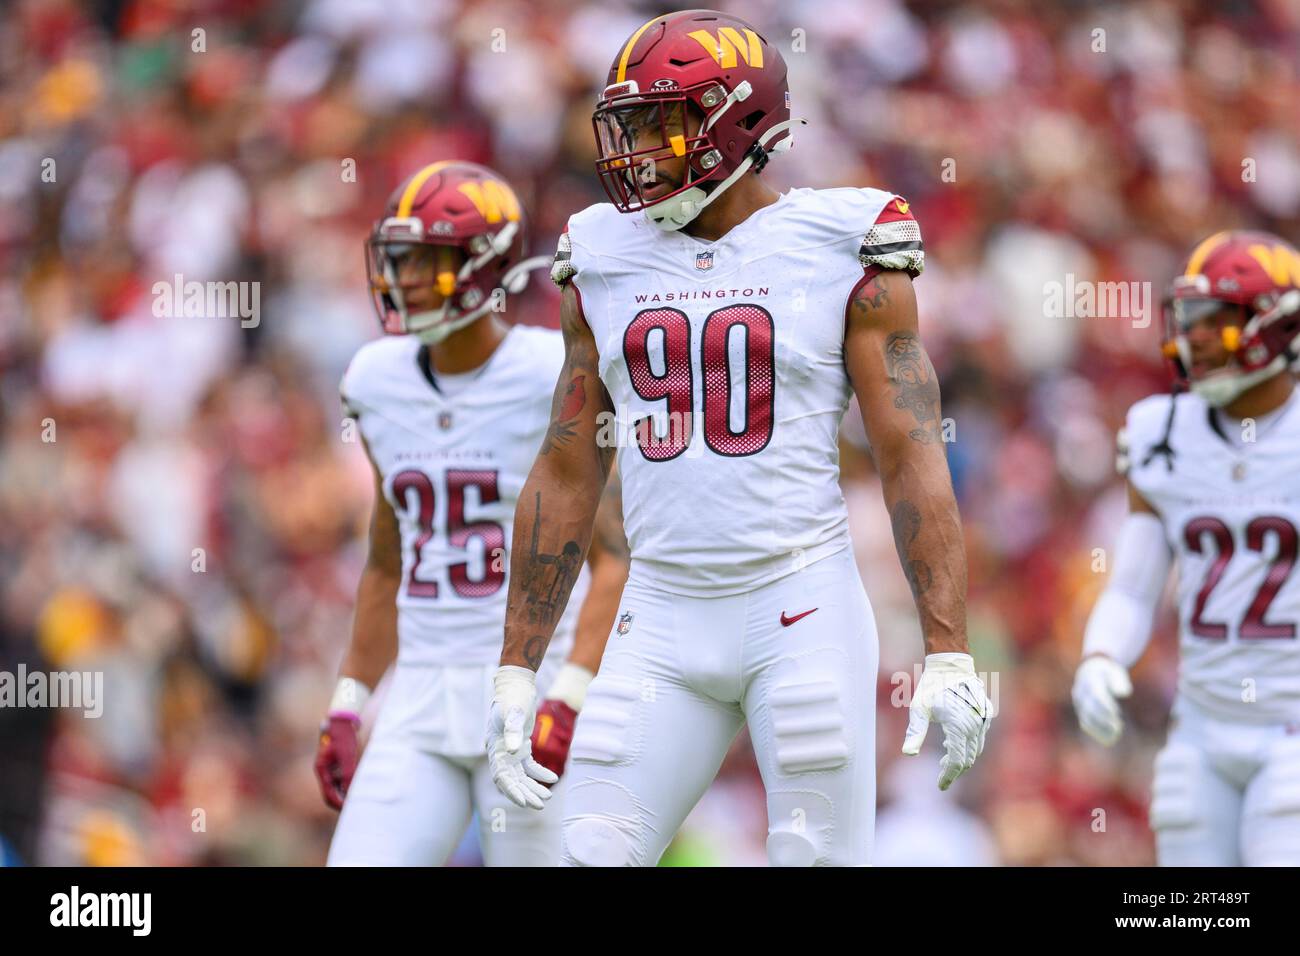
[
  {"x": 349, "y": 700},
  {"x": 570, "y": 685}
]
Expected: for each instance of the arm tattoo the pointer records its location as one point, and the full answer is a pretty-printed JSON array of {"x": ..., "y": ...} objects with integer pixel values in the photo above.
[
  {"x": 915, "y": 384},
  {"x": 534, "y": 650},
  {"x": 873, "y": 294},
  {"x": 574, "y": 400},
  {"x": 580, "y": 360},
  {"x": 548, "y": 578},
  {"x": 906, "y": 520}
]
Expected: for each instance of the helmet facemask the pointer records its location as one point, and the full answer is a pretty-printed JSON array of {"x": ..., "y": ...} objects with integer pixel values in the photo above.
[
  {"x": 1239, "y": 329},
  {"x": 635, "y": 132},
  {"x": 429, "y": 289},
  {"x": 641, "y": 138}
]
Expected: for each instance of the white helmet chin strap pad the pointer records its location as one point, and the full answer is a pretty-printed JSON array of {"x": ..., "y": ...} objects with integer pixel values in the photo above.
[
  {"x": 434, "y": 326},
  {"x": 675, "y": 212},
  {"x": 1222, "y": 388},
  {"x": 431, "y": 328}
]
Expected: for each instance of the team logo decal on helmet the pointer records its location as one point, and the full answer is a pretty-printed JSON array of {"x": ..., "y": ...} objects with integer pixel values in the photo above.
[
  {"x": 1249, "y": 284},
  {"x": 699, "y": 86},
  {"x": 446, "y": 205}
]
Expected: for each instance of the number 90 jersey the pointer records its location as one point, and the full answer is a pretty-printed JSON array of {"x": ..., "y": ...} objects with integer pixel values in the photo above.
[
  {"x": 452, "y": 469},
  {"x": 1231, "y": 513},
  {"x": 725, "y": 364}
]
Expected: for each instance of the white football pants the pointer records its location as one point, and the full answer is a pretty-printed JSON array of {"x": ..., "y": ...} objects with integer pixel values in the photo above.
[
  {"x": 674, "y": 690},
  {"x": 1226, "y": 793},
  {"x": 423, "y": 773}
]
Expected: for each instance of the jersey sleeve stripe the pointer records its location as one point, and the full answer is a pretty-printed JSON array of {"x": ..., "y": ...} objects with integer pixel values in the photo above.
[
  {"x": 894, "y": 245},
  {"x": 562, "y": 269}
]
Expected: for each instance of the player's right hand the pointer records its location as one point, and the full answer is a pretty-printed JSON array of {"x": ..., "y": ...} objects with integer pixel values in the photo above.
[
  {"x": 510, "y": 752},
  {"x": 1099, "y": 683},
  {"x": 950, "y": 692},
  {"x": 337, "y": 757}
]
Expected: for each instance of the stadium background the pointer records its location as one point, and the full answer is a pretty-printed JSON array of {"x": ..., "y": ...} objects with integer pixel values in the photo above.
[{"x": 182, "y": 433}]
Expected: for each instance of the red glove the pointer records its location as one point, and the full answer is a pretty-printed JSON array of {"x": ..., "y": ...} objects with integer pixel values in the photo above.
[
  {"x": 337, "y": 756},
  {"x": 552, "y": 734}
]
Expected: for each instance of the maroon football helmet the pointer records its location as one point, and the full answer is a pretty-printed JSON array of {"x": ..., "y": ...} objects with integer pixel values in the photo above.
[
  {"x": 1251, "y": 282},
  {"x": 454, "y": 204},
  {"x": 734, "y": 80}
]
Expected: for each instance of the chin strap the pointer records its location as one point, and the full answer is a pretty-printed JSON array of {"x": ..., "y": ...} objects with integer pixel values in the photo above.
[
  {"x": 1163, "y": 447},
  {"x": 674, "y": 213},
  {"x": 434, "y": 326},
  {"x": 516, "y": 279},
  {"x": 438, "y": 327},
  {"x": 1225, "y": 386},
  {"x": 1222, "y": 388}
]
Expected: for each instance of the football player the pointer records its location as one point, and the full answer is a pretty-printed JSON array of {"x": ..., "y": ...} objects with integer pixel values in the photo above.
[
  {"x": 451, "y": 406},
  {"x": 1212, "y": 481},
  {"x": 715, "y": 330}
]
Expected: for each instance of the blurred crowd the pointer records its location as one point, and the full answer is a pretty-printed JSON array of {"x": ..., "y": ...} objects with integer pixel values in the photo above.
[{"x": 181, "y": 510}]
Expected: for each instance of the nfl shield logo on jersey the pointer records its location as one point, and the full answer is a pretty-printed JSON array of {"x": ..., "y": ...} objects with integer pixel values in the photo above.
[
  {"x": 624, "y": 623},
  {"x": 704, "y": 261},
  {"x": 444, "y": 421}
]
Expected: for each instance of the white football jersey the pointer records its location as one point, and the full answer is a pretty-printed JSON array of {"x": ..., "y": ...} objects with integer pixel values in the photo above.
[
  {"x": 1231, "y": 512},
  {"x": 725, "y": 364},
  {"x": 453, "y": 467}
]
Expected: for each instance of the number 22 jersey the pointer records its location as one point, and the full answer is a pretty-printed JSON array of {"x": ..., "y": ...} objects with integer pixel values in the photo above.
[
  {"x": 725, "y": 364},
  {"x": 1231, "y": 513}
]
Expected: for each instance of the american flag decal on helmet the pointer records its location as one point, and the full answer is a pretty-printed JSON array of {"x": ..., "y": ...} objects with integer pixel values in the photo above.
[{"x": 894, "y": 240}]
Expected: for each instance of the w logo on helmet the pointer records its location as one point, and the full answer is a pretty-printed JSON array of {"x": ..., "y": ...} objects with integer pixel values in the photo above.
[
  {"x": 1279, "y": 261},
  {"x": 493, "y": 200},
  {"x": 729, "y": 43}
]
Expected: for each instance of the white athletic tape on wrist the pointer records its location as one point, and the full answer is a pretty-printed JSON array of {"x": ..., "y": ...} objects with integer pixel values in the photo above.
[
  {"x": 350, "y": 697},
  {"x": 570, "y": 685}
]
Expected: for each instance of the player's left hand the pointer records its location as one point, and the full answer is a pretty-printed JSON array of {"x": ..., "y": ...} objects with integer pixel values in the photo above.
[
  {"x": 1099, "y": 685},
  {"x": 557, "y": 716},
  {"x": 552, "y": 734},
  {"x": 951, "y": 692},
  {"x": 337, "y": 755},
  {"x": 514, "y": 771}
]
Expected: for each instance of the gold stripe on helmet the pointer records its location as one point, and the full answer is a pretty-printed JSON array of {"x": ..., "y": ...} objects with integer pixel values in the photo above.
[
  {"x": 413, "y": 188},
  {"x": 627, "y": 50},
  {"x": 1202, "y": 252}
]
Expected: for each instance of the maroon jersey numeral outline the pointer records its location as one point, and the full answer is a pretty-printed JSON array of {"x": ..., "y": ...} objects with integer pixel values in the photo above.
[
  {"x": 459, "y": 531},
  {"x": 1253, "y": 625},
  {"x": 676, "y": 385},
  {"x": 422, "y": 485},
  {"x": 760, "y": 379}
]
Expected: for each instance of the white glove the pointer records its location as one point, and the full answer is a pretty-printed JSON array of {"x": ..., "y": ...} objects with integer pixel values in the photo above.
[
  {"x": 509, "y": 747},
  {"x": 950, "y": 692},
  {"x": 1098, "y": 684}
]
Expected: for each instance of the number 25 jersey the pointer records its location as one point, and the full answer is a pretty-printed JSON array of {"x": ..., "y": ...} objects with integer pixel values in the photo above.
[
  {"x": 725, "y": 365},
  {"x": 453, "y": 466}
]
